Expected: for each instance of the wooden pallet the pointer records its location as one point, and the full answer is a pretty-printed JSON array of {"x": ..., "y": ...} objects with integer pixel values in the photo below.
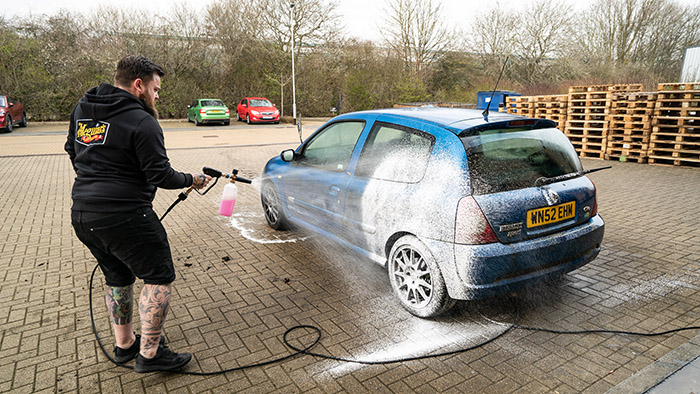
[
  {"x": 675, "y": 131},
  {"x": 679, "y": 86},
  {"x": 521, "y": 105}
]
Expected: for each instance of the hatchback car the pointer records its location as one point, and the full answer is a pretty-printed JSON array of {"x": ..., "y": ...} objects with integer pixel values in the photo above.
[
  {"x": 11, "y": 114},
  {"x": 455, "y": 205},
  {"x": 208, "y": 111},
  {"x": 257, "y": 110}
]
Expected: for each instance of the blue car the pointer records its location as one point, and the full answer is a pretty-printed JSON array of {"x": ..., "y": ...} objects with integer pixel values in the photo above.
[{"x": 457, "y": 205}]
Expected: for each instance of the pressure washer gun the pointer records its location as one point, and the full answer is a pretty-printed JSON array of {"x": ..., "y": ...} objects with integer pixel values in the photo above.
[{"x": 230, "y": 190}]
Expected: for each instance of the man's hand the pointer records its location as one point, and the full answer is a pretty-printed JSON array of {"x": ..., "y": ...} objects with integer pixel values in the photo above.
[{"x": 200, "y": 181}]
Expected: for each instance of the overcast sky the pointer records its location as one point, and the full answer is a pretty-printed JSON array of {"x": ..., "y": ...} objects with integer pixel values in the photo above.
[{"x": 361, "y": 18}]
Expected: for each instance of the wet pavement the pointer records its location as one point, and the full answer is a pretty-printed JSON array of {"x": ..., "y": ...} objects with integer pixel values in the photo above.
[{"x": 241, "y": 285}]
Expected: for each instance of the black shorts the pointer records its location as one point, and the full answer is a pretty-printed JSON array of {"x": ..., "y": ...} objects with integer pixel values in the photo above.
[{"x": 127, "y": 245}]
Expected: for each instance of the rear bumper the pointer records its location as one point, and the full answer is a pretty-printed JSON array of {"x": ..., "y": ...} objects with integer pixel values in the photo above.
[
  {"x": 493, "y": 269},
  {"x": 215, "y": 118}
]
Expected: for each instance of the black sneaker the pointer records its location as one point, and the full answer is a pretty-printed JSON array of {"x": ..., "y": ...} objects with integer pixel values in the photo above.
[
  {"x": 164, "y": 360},
  {"x": 125, "y": 355}
]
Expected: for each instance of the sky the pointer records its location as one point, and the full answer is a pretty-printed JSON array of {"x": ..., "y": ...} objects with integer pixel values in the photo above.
[{"x": 362, "y": 18}]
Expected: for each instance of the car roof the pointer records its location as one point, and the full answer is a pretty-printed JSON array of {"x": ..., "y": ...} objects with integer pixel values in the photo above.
[{"x": 455, "y": 119}]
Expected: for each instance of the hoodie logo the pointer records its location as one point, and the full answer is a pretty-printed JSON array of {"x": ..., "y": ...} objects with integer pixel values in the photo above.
[{"x": 91, "y": 132}]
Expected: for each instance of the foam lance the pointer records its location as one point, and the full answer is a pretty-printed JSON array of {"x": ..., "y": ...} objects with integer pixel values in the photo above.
[{"x": 228, "y": 199}]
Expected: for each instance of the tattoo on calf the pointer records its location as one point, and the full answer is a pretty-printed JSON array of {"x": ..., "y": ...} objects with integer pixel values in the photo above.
[
  {"x": 119, "y": 302},
  {"x": 153, "y": 308}
]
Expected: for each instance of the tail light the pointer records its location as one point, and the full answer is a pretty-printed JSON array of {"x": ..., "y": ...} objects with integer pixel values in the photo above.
[
  {"x": 471, "y": 226},
  {"x": 228, "y": 111},
  {"x": 595, "y": 201},
  {"x": 202, "y": 111}
]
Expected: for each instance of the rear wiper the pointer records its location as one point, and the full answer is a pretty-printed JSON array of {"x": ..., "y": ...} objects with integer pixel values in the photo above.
[{"x": 546, "y": 181}]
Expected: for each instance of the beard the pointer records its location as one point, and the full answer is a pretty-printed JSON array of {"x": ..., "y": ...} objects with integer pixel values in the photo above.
[{"x": 150, "y": 105}]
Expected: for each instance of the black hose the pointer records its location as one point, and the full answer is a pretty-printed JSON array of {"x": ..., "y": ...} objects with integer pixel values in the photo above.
[{"x": 307, "y": 349}]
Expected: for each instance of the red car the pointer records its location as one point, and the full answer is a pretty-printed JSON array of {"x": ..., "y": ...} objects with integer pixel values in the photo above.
[
  {"x": 11, "y": 114},
  {"x": 257, "y": 109}
]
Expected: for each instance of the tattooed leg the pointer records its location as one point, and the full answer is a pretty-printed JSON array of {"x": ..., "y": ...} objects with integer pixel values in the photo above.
[
  {"x": 119, "y": 303},
  {"x": 153, "y": 307}
]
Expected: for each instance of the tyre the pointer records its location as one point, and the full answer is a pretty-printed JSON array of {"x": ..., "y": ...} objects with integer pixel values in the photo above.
[
  {"x": 23, "y": 122},
  {"x": 9, "y": 127},
  {"x": 196, "y": 121},
  {"x": 416, "y": 278},
  {"x": 238, "y": 117},
  {"x": 188, "y": 117},
  {"x": 272, "y": 207},
  {"x": 247, "y": 118},
  {"x": 227, "y": 122}
]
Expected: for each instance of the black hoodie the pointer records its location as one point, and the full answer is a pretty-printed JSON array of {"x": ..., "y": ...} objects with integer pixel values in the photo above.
[{"x": 118, "y": 153}]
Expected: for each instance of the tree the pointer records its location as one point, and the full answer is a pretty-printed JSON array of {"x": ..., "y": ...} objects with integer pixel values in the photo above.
[
  {"x": 638, "y": 36},
  {"x": 416, "y": 31},
  {"x": 542, "y": 36}
]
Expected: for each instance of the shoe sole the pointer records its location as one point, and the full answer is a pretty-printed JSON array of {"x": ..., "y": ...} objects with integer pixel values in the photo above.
[{"x": 161, "y": 368}]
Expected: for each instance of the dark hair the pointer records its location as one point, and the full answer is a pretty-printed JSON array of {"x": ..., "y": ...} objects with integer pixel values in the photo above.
[{"x": 132, "y": 67}]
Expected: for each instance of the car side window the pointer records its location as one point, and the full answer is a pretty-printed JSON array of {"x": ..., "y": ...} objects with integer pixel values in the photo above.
[
  {"x": 395, "y": 153},
  {"x": 332, "y": 148}
]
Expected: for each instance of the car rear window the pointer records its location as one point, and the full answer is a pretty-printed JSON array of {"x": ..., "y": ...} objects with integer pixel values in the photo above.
[
  {"x": 505, "y": 159},
  {"x": 212, "y": 103}
]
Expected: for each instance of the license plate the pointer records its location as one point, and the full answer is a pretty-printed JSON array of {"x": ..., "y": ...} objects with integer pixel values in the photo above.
[
  {"x": 267, "y": 117},
  {"x": 216, "y": 112},
  {"x": 553, "y": 214}
]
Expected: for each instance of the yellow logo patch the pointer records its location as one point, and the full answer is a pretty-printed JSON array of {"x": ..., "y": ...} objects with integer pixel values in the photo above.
[{"x": 91, "y": 132}]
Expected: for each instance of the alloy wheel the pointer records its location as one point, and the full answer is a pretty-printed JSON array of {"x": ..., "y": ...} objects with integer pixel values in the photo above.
[{"x": 413, "y": 277}]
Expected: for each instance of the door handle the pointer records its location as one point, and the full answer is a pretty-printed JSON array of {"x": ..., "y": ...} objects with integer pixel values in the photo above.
[{"x": 334, "y": 190}]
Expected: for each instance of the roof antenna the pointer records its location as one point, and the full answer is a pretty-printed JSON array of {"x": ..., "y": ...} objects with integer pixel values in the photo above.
[{"x": 493, "y": 92}]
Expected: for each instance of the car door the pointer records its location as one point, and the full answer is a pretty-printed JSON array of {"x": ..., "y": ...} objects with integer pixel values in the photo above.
[
  {"x": 15, "y": 110},
  {"x": 380, "y": 195},
  {"x": 243, "y": 108},
  {"x": 192, "y": 110},
  {"x": 315, "y": 187}
]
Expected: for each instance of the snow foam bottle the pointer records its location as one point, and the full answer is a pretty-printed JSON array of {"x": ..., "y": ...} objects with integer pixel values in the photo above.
[{"x": 228, "y": 199}]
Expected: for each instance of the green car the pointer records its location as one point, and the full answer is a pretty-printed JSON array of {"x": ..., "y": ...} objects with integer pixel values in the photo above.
[{"x": 208, "y": 111}]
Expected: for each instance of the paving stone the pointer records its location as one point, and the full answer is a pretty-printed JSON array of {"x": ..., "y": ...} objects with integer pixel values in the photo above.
[{"x": 235, "y": 295}]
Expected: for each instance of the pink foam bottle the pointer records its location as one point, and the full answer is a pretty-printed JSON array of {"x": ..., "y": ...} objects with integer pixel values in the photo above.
[{"x": 228, "y": 199}]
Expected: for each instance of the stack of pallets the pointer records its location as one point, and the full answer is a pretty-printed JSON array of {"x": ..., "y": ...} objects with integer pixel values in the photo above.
[
  {"x": 521, "y": 105},
  {"x": 587, "y": 123},
  {"x": 675, "y": 136},
  {"x": 630, "y": 126},
  {"x": 552, "y": 107}
]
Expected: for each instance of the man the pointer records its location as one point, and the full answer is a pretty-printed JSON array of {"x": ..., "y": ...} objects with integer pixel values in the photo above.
[{"x": 118, "y": 153}]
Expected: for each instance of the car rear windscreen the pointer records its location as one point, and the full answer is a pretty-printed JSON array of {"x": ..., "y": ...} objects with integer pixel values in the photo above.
[{"x": 513, "y": 158}]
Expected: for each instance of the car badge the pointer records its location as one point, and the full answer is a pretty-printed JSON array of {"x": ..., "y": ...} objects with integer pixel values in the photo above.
[{"x": 551, "y": 196}]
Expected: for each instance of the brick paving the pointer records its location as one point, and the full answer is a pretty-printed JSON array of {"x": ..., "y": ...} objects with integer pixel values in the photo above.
[{"x": 240, "y": 285}]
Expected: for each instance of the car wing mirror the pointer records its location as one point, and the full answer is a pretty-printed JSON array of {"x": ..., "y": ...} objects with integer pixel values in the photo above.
[
  {"x": 189, "y": 106},
  {"x": 10, "y": 105},
  {"x": 287, "y": 155},
  {"x": 274, "y": 105}
]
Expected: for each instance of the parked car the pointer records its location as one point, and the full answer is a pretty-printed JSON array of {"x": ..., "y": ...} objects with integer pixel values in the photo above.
[
  {"x": 455, "y": 205},
  {"x": 11, "y": 114},
  {"x": 256, "y": 110},
  {"x": 208, "y": 111}
]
